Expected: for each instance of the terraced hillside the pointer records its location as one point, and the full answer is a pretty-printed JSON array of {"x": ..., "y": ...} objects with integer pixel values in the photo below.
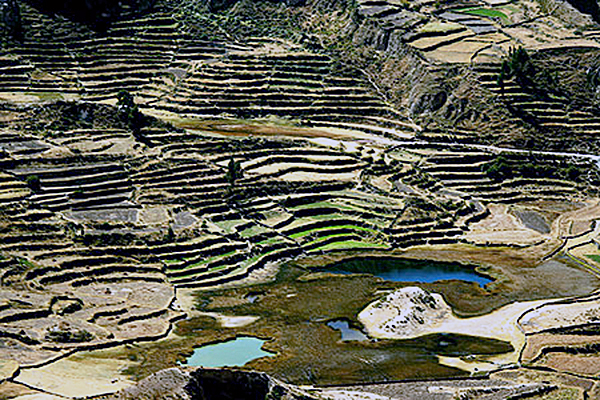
[
  {"x": 175, "y": 76},
  {"x": 241, "y": 154},
  {"x": 443, "y": 62},
  {"x": 479, "y": 31},
  {"x": 184, "y": 75},
  {"x": 96, "y": 211}
]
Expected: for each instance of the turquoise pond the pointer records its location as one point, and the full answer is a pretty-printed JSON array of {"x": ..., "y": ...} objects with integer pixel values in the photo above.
[
  {"x": 232, "y": 353},
  {"x": 406, "y": 270}
]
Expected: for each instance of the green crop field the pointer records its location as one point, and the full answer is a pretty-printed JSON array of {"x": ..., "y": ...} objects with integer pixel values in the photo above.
[{"x": 484, "y": 12}]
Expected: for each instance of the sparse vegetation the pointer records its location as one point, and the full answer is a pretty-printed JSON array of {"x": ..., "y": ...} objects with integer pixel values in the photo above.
[
  {"x": 33, "y": 181},
  {"x": 69, "y": 336},
  {"x": 218, "y": 19},
  {"x": 501, "y": 168}
]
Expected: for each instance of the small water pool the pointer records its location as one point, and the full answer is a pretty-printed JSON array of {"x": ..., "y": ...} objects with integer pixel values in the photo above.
[
  {"x": 406, "y": 270},
  {"x": 251, "y": 297},
  {"x": 232, "y": 353},
  {"x": 348, "y": 332}
]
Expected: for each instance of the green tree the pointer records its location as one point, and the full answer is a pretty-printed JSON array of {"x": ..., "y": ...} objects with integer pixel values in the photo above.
[
  {"x": 498, "y": 169},
  {"x": 130, "y": 112},
  {"x": 517, "y": 65},
  {"x": 234, "y": 171},
  {"x": 33, "y": 181}
]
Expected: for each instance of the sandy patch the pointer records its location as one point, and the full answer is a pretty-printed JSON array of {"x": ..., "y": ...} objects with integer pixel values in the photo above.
[
  {"x": 561, "y": 315},
  {"x": 383, "y": 319},
  {"x": 7, "y": 369},
  {"x": 186, "y": 301},
  {"x": 78, "y": 376},
  {"x": 319, "y": 177},
  {"x": 250, "y": 165},
  {"x": 282, "y": 166},
  {"x": 231, "y": 321},
  {"x": 588, "y": 364},
  {"x": 90, "y": 144},
  {"x": 376, "y": 143},
  {"x": 382, "y": 182},
  {"x": 39, "y": 396},
  {"x": 474, "y": 366},
  {"x": 153, "y": 215},
  {"x": 330, "y": 394},
  {"x": 578, "y": 221},
  {"x": 501, "y": 227},
  {"x": 579, "y": 227},
  {"x": 11, "y": 390},
  {"x": 465, "y": 50},
  {"x": 536, "y": 343},
  {"x": 428, "y": 42}
]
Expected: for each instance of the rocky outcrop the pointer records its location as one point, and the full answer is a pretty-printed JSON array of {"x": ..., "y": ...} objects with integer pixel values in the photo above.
[
  {"x": 210, "y": 384},
  {"x": 404, "y": 312}
]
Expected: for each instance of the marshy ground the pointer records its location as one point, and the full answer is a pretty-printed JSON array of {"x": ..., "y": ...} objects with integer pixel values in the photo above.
[{"x": 250, "y": 156}]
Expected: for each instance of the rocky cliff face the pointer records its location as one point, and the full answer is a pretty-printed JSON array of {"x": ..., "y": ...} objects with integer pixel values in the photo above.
[
  {"x": 395, "y": 47},
  {"x": 210, "y": 384}
]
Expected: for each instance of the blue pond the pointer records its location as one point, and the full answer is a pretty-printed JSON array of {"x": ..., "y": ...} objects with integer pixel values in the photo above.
[
  {"x": 405, "y": 270},
  {"x": 233, "y": 353}
]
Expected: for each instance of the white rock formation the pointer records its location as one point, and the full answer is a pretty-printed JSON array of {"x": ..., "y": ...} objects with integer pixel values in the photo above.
[{"x": 404, "y": 313}]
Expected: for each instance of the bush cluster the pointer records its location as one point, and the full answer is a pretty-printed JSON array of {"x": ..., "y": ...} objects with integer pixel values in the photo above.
[
  {"x": 67, "y": 336},
  {"x": 517, "y": 65},
  {"x": 501, "y": 168}
]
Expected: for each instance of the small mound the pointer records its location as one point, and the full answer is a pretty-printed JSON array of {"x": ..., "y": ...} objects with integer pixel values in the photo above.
[{"x": 404, "y": 312}]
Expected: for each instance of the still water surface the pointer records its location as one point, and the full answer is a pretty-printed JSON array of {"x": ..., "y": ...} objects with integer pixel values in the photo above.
[
  {"x": 406, "y": 270},
  {"x": 233, "y": 353},
  {"x": 348, "y": 332}
]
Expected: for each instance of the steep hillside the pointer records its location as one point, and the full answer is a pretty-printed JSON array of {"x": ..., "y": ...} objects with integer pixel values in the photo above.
[
  {"x": 158, "y": 160},
  {"x": 433, "y": 64}
]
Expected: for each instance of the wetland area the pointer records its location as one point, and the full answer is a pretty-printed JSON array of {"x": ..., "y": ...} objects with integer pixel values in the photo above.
[
  {"x": 305, "y": 322},
  {"x": 302, "y": 327}
]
